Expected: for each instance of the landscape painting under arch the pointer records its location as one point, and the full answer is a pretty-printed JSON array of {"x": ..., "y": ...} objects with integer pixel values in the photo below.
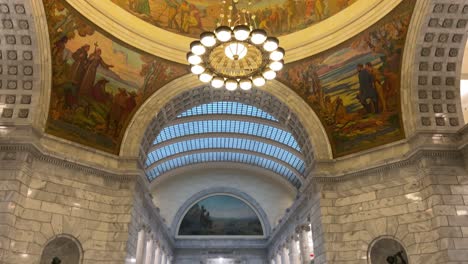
[
  {"x": 98, "y": 82},
  {"x": 354, "y": 87},
  {"x": 220, "y": 215}
]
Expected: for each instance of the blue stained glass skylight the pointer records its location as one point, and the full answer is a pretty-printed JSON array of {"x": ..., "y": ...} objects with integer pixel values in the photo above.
[
  {"x": 171, "y": 150},
  {"x": 227, "y": 107},
  {"x": 227, "y": 143},
  {"x": 224, "y": 156},
  {"x": 228, "y": 126}
]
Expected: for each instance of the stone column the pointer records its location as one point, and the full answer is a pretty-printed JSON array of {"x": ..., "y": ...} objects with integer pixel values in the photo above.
[
  {"x": 163, "y": 257},
  {"x": 294, "y": 255},
  {"x": 284, "y": 255},
  {"x": 141, "y": 246},
  {"x": 149, "y": 251},
  {"x": 278, "y": 258},
  {"x": 157, "y": 253},
  {"x": 306, "y": 248}
]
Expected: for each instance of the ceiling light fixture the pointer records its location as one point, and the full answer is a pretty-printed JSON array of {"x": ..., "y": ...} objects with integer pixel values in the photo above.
[{"x": 236, "y": 54}]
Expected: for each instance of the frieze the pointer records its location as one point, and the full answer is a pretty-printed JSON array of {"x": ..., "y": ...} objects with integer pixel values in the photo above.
[{"x": 37, "y": 154}]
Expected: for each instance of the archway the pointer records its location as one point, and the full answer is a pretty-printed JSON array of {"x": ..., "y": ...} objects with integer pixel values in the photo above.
[{"x": 63, "y": 249}]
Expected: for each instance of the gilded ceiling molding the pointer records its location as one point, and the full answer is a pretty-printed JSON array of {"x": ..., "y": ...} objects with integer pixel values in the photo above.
[
  {"x": 171, "y": 46},
  {"x": 134, "y": 135}
]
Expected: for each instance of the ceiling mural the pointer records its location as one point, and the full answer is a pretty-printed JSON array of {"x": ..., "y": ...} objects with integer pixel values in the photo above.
[
  {"x": 97, "y": 81},
  {"x": 355, "y": 87},
  {"x": 192, "y": 17},
  {"x": 220, "y": 215}
]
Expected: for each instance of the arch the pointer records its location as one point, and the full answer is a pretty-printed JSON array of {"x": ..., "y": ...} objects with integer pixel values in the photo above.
[
  {"x": 221, "y": 191},
  {"x": 431, "y": 79},
  {"x": 243, "y": 152},
  {"x": 254, "y": 112},
  {"x": 65, "y": 247},
  {"x": 391, "y": 245},
  {"x": 221, "y": 165},
  {"x": 136, "y": 139}
]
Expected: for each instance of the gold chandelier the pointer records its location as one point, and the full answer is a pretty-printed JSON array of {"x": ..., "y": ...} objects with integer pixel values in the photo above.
[{"x": 236, "y": 54}]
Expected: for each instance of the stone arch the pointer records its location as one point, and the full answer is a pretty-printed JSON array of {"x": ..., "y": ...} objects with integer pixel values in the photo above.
[
  {"x": 21, "y": 53},
  {"x": 137, "y": 138},
  {"x": 65, "y": 247},
  {"x": 221, "y": 191},
  {"x": 389, "y": 246},
  {"x": 431, "y": 80}
]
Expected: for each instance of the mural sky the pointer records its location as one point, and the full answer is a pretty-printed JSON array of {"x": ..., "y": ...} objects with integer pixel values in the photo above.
[
  {"x": 355, "y": 87},
  {"x": 191, "y": 17},
  {"x": 98, "y": 82}
]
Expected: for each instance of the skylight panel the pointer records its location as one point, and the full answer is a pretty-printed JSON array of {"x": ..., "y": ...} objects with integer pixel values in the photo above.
[
  {"x": 227, "y": 107},
  {"x": 224, "y": 156}
]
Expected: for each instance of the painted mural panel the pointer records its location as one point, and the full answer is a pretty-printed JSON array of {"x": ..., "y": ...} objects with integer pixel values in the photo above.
[
  {"x": 355, "y": 87},
  {"x": 97, "y": 81},
  {"x": 191, "y": 17},
  {"x": 220, "y": 215}
]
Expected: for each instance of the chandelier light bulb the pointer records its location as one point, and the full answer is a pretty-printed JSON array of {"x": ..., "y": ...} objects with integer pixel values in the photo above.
[
  {"x": 271, "y": 44},
  {"x": 193, "y": 59},
  {"x": 231, "y": 85},
  {"x": 208, "y": 39},
  {"x": 197, "y": 48},
  {"x": 245, "y": 84},
  {"x": 277, "y": 55},
  {"x": 269, "y": 74},
  {"x": 223, "y": 33},
  {"x": 217, "y": 82},
  {"x": 241, "y": 32},
  {"x": 258, "y": 36},
  {"x": 197, "y": 69},
  {"x": 206, "y": 77},
  {"x": 258, "y": 81},
  {"x": 276, "y": 65}
]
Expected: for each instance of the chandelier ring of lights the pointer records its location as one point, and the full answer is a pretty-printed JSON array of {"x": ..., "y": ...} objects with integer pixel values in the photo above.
[{"x": 236, "y": 56}]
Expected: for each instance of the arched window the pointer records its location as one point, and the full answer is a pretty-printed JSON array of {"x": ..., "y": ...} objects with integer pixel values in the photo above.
[{"x": 62, "y": 250}]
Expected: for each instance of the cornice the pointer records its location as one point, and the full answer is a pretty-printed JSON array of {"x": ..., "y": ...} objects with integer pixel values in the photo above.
[{"x": 40, "y": 155}]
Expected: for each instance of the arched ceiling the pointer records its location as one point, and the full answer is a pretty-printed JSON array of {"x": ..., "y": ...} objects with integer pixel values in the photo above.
[{"x": 222, "y": 126}]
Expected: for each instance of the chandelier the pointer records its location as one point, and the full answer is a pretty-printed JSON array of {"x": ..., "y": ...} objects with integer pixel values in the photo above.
[{"x": 237, "y": 53}]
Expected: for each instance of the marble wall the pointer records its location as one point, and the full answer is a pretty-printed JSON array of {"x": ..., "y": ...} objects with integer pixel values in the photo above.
[
  {"x": 422, "y": 205},
  {"x": 43, "y": 198}
]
